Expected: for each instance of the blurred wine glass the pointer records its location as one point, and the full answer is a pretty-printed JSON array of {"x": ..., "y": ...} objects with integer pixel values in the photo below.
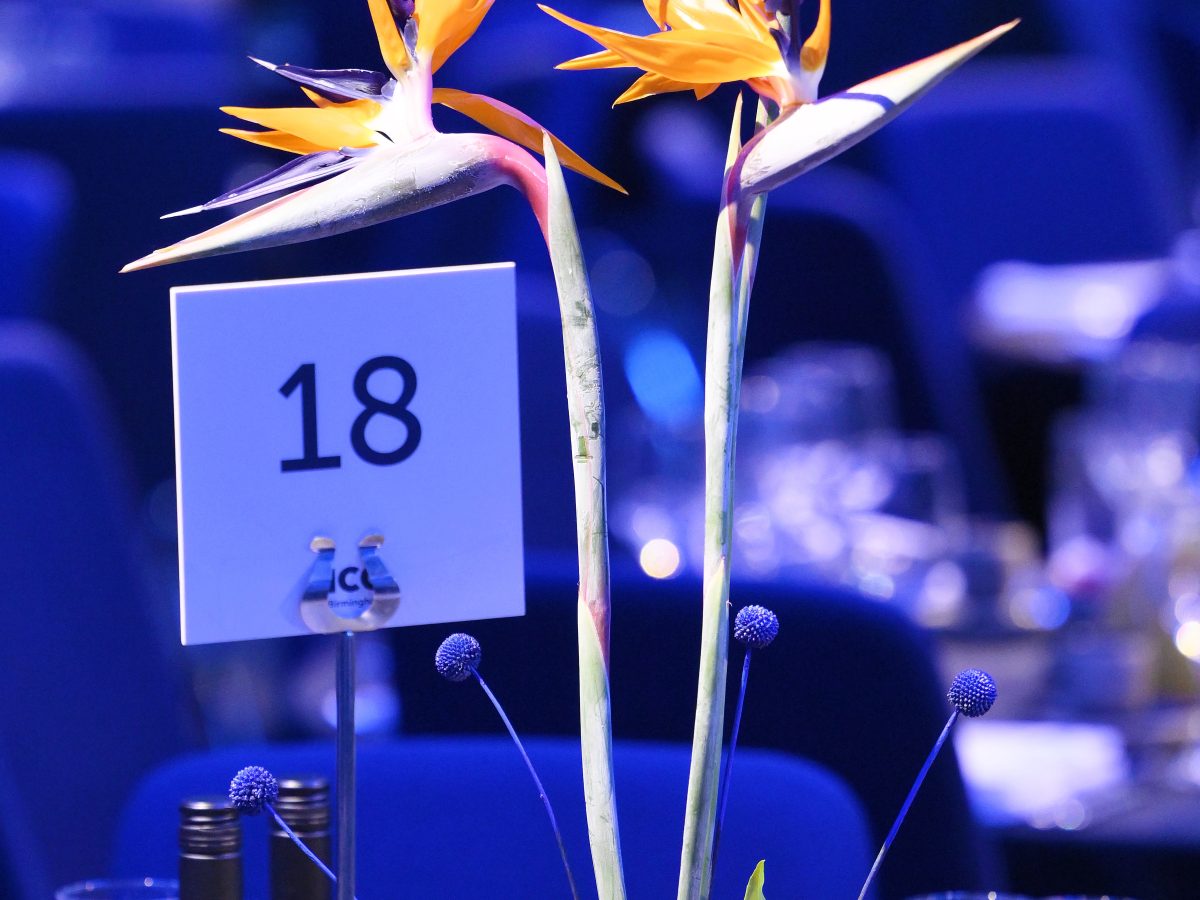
[
  {"x": 1121, "y": 528},
  {"x": 814, "y": 424}
]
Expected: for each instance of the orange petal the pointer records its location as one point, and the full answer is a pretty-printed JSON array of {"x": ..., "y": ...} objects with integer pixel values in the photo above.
[
  {"x": 687, "y": 55},
  {"x": 276, "y": 140},
  {"x": 650, "y": 84},
  {"x": 601, "y": 59},
  {"x": 517, "y": 127},
  {"x": 816, "y": 49},
  {"x": 331, "y": 127},
  {"x": 317, "y": 99},
  {"x": 391, "y": 42},
  {"x": 772, "y": 88},
  {"x": 710, "y": 15},
  {"x": 755, "y": 12},
  {"x": 443, "y": 26},
  {"x": 659, "y": 10}
]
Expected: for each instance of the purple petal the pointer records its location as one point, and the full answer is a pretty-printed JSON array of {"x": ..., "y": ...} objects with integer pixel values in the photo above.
[
  {"x": 292, "y": 174},
  {"x": 334, "y": 84}
]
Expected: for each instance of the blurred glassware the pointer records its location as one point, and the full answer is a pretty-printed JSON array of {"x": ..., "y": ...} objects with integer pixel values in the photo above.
[
  {"x": 820, "y": 391},
  {"x": 1121, "y": 478},
  {"x": 994, "y": 895},
  {"x": 903, "y": 543},
  {"x": 1003, "y": 585},
  {"x": 815, "y": 426},
  {"x": 120, "y": 889},
  {"x": 1122, "y": 533},
  {"x": 826, "y": 488},
  {"x": 1157, "y": 383}
]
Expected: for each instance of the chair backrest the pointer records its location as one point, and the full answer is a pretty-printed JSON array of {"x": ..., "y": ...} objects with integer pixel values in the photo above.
[
  {"x": 90, "y": 702},
  {"x": 1135, "y": 37},
  {"x": 1050, "y": 161},
  {"x": 35, "y": 199},
  {"x": 460, "y": 818},
  {"x": 845, "y": 678}
]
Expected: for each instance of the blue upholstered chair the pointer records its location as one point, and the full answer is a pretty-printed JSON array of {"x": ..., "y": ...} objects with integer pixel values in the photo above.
[
  {"x": 460, "y": 818},
  {"x": 90, "y": 700},
  {"x": 1155, "y": 42},
  {"x": 1050, "y": 161},
  {"x": 35, "y": 199}
]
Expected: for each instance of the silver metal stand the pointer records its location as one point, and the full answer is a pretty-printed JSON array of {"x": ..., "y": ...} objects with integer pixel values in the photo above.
[
  {"x": 344, "y": 620},
  {"x": 346, "y": 762}
]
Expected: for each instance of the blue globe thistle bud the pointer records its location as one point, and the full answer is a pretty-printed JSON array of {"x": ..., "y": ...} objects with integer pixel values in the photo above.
[
  {"x": 252, "y": 788},
  {"x": 756, "y": 626},
  {"x": 973, "y": 692},
  {"x": 457, "y": 656}
]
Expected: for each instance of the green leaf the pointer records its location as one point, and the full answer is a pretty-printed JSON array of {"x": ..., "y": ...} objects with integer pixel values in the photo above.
[{"x": 754, "y": 890}]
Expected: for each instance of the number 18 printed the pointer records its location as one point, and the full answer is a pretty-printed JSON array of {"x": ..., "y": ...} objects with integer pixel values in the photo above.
[{"x": 341, "y": 407}]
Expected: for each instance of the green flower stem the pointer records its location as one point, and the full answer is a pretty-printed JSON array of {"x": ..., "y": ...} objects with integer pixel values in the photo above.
[
  {"x": 728, "y": 308},
  {"x": 585, "y": 408}
]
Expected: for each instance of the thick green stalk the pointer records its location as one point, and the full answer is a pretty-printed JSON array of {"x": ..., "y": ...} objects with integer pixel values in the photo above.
[
  {"x": 585, "y": 408},
  {"x": 719, "y": 421},
  {"x": 728, "y": 307}
]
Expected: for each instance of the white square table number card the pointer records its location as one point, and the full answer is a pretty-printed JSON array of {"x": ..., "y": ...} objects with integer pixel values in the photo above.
[{"x": 331, "y": 428}]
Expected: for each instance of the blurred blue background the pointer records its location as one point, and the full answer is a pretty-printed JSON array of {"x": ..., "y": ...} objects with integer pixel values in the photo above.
[{"x": 971, "y": 415}]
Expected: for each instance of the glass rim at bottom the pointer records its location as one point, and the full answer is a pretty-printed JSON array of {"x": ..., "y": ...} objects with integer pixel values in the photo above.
[{"x": 152, "y": 888}]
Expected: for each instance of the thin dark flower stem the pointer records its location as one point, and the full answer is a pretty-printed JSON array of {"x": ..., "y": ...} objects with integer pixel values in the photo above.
[
  {"x": 908, "y": 801},
  {"x": 296, "y": 839},
  {"x": 562, "y": 849},
  {"x": 727, "y": 774}
]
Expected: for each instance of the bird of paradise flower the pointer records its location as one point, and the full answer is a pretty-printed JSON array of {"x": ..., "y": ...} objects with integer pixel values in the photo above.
[
  {"x": 367, "y": 152},
  {"x": 699, "y": 45},
  {"x": 702, "y": 44},
  {"x": 369, "y": 138}
]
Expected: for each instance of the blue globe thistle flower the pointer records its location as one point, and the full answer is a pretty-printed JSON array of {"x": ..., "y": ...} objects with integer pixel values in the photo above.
[
  {"x": 458, "y": 656},
  {"x": 253, "y": 788},
  {"x": 756, "y": 626},
  {"x": 973, "y": 692}
]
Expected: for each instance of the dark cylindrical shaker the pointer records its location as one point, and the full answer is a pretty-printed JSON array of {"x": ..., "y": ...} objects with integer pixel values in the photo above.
[
  {"x": 304, "y": 804},
  {"x": 210, "y": 850}
]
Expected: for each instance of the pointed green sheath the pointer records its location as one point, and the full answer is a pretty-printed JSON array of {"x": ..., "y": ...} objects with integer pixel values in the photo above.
[
  {"x": 754, "y": 889},
  {"x": 585, "y": 408},
  {"x": 729, "y": 301}
]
